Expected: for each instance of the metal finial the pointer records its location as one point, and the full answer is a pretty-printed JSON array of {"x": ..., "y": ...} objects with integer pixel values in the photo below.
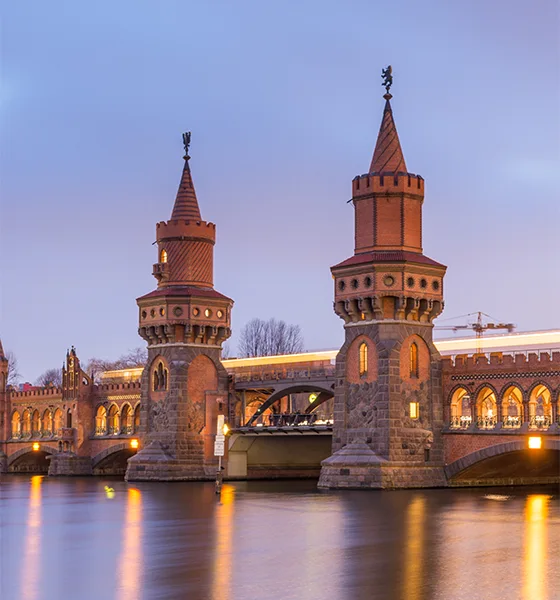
[
  {"x": 387, "y": 75},
  {"x": 186, "y": 144}
]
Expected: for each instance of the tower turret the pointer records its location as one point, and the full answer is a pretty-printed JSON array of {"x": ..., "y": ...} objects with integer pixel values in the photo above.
[
  {"x": 388, "y": 409},
  {"x": 184, "y": 321}
]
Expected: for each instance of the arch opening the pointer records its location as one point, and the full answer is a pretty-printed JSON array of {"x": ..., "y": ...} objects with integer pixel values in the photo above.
[
  {"x": 486, "y": 409},
  {"x": 461, "y": 411}
]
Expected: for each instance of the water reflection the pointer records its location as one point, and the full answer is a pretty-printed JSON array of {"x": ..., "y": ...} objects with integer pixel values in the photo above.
[
  {"x": 414, "y": 549},
  {"x": 536, "y": 547},
  {"x": 30, "y": 567},
  {"x": 222, "y": 569},
  {"x": 130, "y": 561}
]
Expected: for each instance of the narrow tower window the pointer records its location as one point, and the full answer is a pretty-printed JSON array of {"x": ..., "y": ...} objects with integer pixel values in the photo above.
[
  {"x": 363, "y": 359},
  {"x": 160, "y": 378},
  {"x": 163, "y": 256},
  {"x": 414, "y": 359}
]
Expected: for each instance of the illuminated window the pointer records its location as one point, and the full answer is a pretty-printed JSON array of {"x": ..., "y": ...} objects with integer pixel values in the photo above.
[
  {"x": 414, "y": 410},
  {"x": 363, "y": 359},
  {"x": 208, "y": 312},
  {"x": 160, "y": 378},
  {"x": 163, "y": 256},
  {"x": 413, "y": 359},
  {"x": 16, "y": 425},
  {"x": 101, "y": 421}
]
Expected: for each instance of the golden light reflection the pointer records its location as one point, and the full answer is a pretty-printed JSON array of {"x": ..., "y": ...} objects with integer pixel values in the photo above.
[
  {"x": 536, "y": 547},
  {"x": 535, "y": 442},
  {"x": 130, "y": 560},
  {"x": 413, "y": 569},
  {"x": 222, "y": 571},
  {"x": 30, "y": 571}
]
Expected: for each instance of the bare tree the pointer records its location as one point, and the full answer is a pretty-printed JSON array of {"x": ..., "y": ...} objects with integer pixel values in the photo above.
[
  {"x": 50, "y": 377},
  {"x": 268, "y": 338},
  {"x": 226, "y": 351},
  {"x": 13, "y": 373},
  {"x": 135, "y": 358}
]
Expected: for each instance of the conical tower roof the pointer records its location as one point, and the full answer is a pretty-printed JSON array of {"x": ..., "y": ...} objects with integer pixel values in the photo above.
[
  {"x": 388, "y": 155},
  {"x": 186, "y": 203}
]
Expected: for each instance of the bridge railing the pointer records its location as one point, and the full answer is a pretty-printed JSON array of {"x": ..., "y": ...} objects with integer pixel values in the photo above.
[
  {"x": 292, "y": 420},
  {"x": 535, "y": 422},
  {"x": 283, "y": 374}
]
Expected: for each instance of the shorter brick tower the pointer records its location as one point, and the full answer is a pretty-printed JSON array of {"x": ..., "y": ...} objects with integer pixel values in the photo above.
[
  {"x": 184, "y": 321},
  {"x": 388, "y": 409}
]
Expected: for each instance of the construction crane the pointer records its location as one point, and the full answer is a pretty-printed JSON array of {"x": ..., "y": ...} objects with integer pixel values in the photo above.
[{"x": 478, "y": 327}]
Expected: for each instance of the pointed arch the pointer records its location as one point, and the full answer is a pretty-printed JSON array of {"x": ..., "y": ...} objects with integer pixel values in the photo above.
[
  {"x": 26, "y": 423},
  {"x": 540, "y": 406},
  {"x": 113, "y": 420},
  {"x": 414, "y": 360},
  {"x": 512, "y": 406},
  {"x": 486, "y": 407},
  {"x": 47, "y": 423},
  {"x": 57, "y": 421},
  {"x": 136, "y": 424},
  {"x": 363, "y": 359},
  {"x": 36, "y": 423},
  {"x": 101, "y": 420},
  {"x": 16, "y": 425},
  {"x": 127, "y": 416},
  {"x": 460, "y": 407}
]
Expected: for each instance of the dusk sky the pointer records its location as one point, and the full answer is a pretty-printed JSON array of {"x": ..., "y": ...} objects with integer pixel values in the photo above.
[{"x": 284, "y": 101}]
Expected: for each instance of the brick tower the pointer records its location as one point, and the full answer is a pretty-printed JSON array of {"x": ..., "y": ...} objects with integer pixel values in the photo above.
[
  {"x": 388, "y": 409},
  {"x": 184, "y": 321}
]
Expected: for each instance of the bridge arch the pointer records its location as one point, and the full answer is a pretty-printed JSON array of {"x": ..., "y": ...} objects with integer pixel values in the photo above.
[
  {"x": 461, "y": 465},
  {"x": 291, "y": 389},
  {"x": 44, "y": 451},
  {"x": 112, "y": 460}
]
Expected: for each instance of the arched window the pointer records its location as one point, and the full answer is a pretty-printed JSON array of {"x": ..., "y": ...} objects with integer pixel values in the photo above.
[
  {"x": 36, "y": 423},
  {"x": 26, "y": 423},
  {"x": 363, "y": 352},
  {"x": 57, "y": 421},
  {"x": 160, "y": 378},
  {"x": 126, "y": 419},
  {"x": 414, "y": 359},
  {"x": 16, "y": 425},
  {"x": 114, "y": 428},
  {"x": 163, "y": 256},
  {"x": 137, "y": 418},
  {"x": 69, "y": 418},
  {"x": 47, "y": 423},
  {"x": 101, "y": 421}
]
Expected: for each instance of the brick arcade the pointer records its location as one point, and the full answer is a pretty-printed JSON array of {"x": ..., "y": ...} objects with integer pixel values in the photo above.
[{"x": 393, "y": 412}]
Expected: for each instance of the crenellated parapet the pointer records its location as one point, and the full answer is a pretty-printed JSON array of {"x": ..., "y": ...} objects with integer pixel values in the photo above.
[
  {"x": 37, "y": 393},
  {"x": 499, "y": 361},
  {"x": 387, "y": 183}
]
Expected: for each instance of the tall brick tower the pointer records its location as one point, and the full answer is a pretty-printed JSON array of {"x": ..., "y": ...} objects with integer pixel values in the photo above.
[
  {"x": 388, "y": 409},
  {"x": 184, "y": 321}
]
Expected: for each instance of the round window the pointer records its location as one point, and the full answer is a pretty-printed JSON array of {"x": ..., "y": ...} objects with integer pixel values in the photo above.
[
  {"x": 410, "y": 282},
  {"x": 435, "y": 285},
  {"x": 219, "y": 314},
  {"x": 367, "y": 281},
  {"x": 144, "y": 314},
  {"x": 423, "y": 283},
  {"x": 388, "y": 280},
  {"x": 355, "y": 284},
  {"x": 177, "y": 311},
  {"x": 207, "y": 313},
  {"x": 152, "y": 313},
  {"x": 341, "y": 285},
  {"x": 162, "y": 312},
  {"x": 195, "y": 312}
]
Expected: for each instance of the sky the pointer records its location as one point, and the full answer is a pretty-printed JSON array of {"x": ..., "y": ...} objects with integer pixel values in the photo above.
[{"x": 284, "y": 101}]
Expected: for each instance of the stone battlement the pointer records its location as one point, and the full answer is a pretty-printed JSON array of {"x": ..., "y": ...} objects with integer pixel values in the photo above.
[
  {"x": 117, "y": 387},
  {"x": 182, "y": 228},
  {"x": 40, "y": 393},
  {"x": 478, "y": 362},
  {"x": 369, "y": 183}
]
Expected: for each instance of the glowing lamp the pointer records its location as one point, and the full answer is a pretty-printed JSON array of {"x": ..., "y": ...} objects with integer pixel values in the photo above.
[
  {"x": 225, "y": 429},
  {"x": 535, "y": 442},
  {"x": 312, "y": 398},
  {"x": 36, "y": 446},
  {"x": 134, "y": 444}
]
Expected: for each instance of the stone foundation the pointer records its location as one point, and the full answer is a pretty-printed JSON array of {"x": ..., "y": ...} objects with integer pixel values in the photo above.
[
  {"x": 356, "y": 466},
  {"x": 68, "y": 464},
  {"x": 154, "y": 464}
]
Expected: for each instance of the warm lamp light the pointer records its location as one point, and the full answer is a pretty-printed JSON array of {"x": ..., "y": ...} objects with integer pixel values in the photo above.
[
  {"x": 535, "y": 442},
  {"x": 225, "y": 429},
  {"x": 36, "y": 446},
  {"x": 134, "y": 444},
  {"x": 313, "y": 397}
]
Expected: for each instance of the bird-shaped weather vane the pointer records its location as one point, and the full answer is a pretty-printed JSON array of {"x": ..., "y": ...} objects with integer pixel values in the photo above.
[
  {"x": 387, "y": 75},
  {"x": 187, "y": 143}
]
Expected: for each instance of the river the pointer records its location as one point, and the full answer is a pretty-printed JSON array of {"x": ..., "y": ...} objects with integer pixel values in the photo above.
[{"x": 95, "y": 538}]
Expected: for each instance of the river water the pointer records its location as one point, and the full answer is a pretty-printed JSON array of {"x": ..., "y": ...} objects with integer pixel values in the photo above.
[{"x": 74, "y": 539}]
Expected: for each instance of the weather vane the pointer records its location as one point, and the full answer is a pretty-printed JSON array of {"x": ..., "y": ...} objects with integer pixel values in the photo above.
[
  {"x": 387, "y": 75},
  {"x": 187, "y": 143}
]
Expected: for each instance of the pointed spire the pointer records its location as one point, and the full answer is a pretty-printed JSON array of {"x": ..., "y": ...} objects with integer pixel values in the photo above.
[
  {"x": 388, "y": 155},
  {"x": 2, "y": 355},
  {"x": 186, "y": 204}
]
